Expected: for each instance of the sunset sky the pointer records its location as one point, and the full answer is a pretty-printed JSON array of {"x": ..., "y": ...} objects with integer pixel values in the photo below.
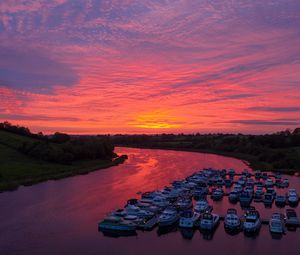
[{"x": 134, "y": 66}]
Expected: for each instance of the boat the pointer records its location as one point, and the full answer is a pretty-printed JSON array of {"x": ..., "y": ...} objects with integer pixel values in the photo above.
[
  {"x": 183, "y": 203},
  {"x": 135, "y": 210},
  {"x": 231, "y": 172},
  {"x": 168, "y": 217},
  {"x": 269, "y": 183},
  {"x": 228, "y": 183},
  {"x": 264, "y": 176},
  {"x": 217, "y": 194},
  {"x": 237, "y": 187},
  {"x": 200, "y": 192},
  {"x": 257, "y": 174},
  {"x": 188, "y": 219},
  {"x": 116, "y": 224},
  {"x": 276, "y": 223},
  {"x": 209, "y": 221},
  {"x": 242, "y": 181},
  {"x": 268, "y": 199},
  {"x": 285, "y": 183},
  {"x": 249, "y": 189},
  {"x": 252, "y": 221},
  {"x": 293, "y": 198},
  {"x": 291, "y": 218},
  {"x": 271, "y": 191},
  {"x": 233, "y": 196},
  {"x": 160, "y": 201},
  {"x": 280, "y": 200},
  {"x": 245, "y": 199},
  {"x": 121, "y": 213},
  {"x": 258, "y": 195},
  {"x": 232, "y": 221}
]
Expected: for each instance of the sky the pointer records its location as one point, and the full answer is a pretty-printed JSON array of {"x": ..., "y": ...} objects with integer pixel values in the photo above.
[{"x": 161, "y": 66}]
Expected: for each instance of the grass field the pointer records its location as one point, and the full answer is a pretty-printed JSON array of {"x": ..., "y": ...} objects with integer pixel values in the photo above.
[{"x": 19, "y": 169}]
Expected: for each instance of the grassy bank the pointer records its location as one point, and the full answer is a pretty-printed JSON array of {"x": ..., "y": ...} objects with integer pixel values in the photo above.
[{"x": 17, "y": 168}]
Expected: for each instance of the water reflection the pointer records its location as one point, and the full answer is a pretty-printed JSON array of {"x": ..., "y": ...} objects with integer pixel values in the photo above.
[{"x": 187, "y": 233}]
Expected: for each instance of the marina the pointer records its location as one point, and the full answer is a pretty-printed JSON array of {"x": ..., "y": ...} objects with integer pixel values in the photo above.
[{"x": 184, "y": 203}]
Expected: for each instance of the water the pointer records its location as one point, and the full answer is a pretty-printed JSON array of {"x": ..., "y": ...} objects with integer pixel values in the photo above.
[{"x": 60, "y": 217}]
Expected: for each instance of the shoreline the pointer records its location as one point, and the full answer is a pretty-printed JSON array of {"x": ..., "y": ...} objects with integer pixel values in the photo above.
[
  {"x": 99, "y": 165},
  {"x": 249, "y": 160}
]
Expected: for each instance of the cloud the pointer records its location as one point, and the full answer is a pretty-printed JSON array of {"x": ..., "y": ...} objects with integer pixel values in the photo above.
[
  {"x": 274, "y": 109},
  {"x": 33, "y": 70},
  {"x": 267, "y": 122},
  {"x": 110, "y": 61},
  {"x": 36, "y": 117}
]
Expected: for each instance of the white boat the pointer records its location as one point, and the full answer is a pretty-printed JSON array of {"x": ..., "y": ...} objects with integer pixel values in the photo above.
[
  {"x": 228, "y": 183},
  {"x": 245, "y": 198},
  {"x": 160, "y": 201},
  {"x": 268, "y": 199},
  {"x": 269, "y": 183},
  {"x": 209, "y": 221},
  {"x": 237, "y": 187},
  {"x": 232, "y": 221},
  {"x": 201, "y": 206},
  {"x": 280, "y": 200},
  {"x": 293, "y": 198},
  {"x": 135, "y": 210},
  {"x": 116, "y": 224},
  {"x": 285, "y": 183},
  {"x": 119, "y": 213},
  {"x": 217, "y": 194},
  {"x": 291, "y": 218},
  {"x": 233, "y": 196},
  {"x": 168, "y": 218},
  {"x": 252, "y": 221},
  {"x": 257, "y": 174},
  {"x": 184, "y": 203},
  {"x": 276, "y": 223},
  {"x": 231, "y": 172},
  {"x": 271, "y": 191},
  {"x": 258, "y": 195},
  {"x": 188, "y": 219}
]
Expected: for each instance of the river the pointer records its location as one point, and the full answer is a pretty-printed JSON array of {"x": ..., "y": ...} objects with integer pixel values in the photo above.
[{"x": 60, "y": 217}]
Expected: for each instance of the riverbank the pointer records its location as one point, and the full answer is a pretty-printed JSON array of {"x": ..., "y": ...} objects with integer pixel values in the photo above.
[
  {"x": 17, "y": 169},
  {"x": 250, "y": 160}
]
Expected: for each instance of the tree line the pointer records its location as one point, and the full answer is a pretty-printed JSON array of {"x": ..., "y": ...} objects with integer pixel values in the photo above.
[
  {"x": 60, "y": 147},
  {"x": 281, "y": 149}
]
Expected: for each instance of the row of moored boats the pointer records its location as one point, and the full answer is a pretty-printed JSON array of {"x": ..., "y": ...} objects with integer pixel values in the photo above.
[{"x": 184, "y": 203}]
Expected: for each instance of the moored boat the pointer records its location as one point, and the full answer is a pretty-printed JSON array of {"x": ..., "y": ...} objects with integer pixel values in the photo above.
[
  {"x": 232, "y": 221},
  {"x": 116, "y": 224},
  {"x": 201, "y": 206},
  {"x": 233, "y": 196},
  {"x": 268, "y": 199},
  {"x": 280, "y": 200},
  {"x": 252, "y": 222},
  {"x": 188, "y": 219},
  {"x": 291, "y": 218},
  {"x": 293, "y": 198},
  {"x": 209, "y": 221},
  {"x": 245, "y": 199},
  {"x": 168, "y": 217},
  {"x": 217, "y": 194},
  {"x": 276, "y": 223}
]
